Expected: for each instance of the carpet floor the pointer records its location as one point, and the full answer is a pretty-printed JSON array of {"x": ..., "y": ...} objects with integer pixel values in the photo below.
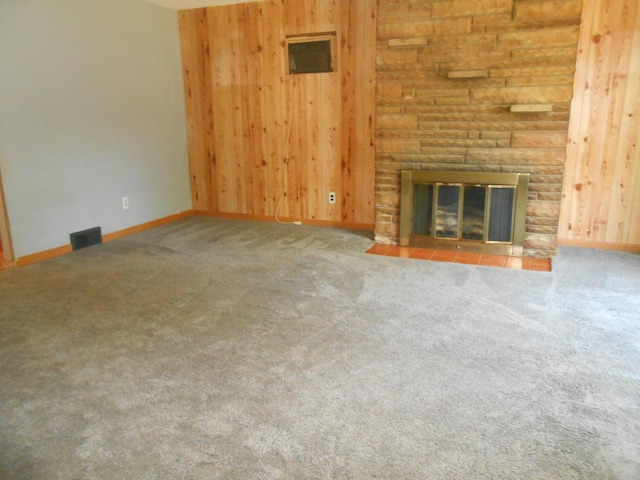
[{"x": 223, "y": 349}]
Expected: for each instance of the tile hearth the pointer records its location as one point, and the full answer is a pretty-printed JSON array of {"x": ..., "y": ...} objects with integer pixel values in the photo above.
[{"x": 502, "y": 261}]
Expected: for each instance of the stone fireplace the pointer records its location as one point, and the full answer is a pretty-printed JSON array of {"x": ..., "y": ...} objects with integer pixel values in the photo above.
[{"x": 482, "y": 86}]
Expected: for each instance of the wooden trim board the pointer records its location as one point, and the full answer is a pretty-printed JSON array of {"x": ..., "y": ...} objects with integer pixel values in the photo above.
[
  {"x": 271, "y": 218},
  {"x": 624, "y": 247},
  {"x": 65, "y": 249},
  {"x": 109, "y": 237},
  {"x": 44, "y": 255}
]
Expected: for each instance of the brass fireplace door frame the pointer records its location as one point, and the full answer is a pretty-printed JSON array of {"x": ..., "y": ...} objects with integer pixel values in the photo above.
[{"x": 485, "y": 179}]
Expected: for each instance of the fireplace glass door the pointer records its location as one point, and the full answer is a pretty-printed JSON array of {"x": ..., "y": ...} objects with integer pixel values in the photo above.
[
  {"x": 423, "y": 216},
  {"x": 502, "y": 202},
  {"x": 447, "y": 212},
  {"x": 475, "y": 211},
  {"x": 464, "y": 212}
]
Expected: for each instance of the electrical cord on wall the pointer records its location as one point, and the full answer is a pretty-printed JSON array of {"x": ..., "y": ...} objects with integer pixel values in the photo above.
[
  {"x": 282, "y": 195},
  {"x": 285, "y": 169}
]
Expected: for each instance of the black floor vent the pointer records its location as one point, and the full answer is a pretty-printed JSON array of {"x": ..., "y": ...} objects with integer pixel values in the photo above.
[{"x": 86, "y": 238}]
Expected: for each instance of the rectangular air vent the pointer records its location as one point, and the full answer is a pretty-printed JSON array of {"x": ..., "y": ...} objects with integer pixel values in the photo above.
[
  {"x": 311, "y": 53},
  {"x": 86, "y": 238}
]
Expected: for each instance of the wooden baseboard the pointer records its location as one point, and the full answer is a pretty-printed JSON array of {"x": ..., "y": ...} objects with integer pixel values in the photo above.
[
  {"x": 109, "y": 237},
  {"x": 66, "y": 249},
  {"x": 269, "y": 218},
  {"x": 624, "y": 247},
  {"x": 44, "y": 255}
]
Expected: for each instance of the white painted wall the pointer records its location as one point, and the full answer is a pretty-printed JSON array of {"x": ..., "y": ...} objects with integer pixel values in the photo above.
[{"x": 91, "y": 110}]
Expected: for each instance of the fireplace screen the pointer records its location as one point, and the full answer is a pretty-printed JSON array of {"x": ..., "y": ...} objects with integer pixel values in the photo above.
[{"x": 464, "y": 210}]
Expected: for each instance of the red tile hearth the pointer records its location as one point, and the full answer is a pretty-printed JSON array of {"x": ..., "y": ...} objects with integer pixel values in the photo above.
[{"x": 502, "y": 261}]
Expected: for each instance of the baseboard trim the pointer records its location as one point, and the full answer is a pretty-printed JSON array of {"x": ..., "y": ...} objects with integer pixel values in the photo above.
[
  {"x": 270, "y": 218},
  {"x": 44, "y": 255},
  {"x": 108, "y": 237},
  {"x": 624, "y": 247}
]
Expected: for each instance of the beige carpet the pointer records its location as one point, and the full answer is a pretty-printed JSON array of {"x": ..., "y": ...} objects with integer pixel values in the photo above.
[{"x": 219, "y": 349}]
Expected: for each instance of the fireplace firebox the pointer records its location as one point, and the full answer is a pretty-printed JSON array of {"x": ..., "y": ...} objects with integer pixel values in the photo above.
[{"x": 481, "y": 212}]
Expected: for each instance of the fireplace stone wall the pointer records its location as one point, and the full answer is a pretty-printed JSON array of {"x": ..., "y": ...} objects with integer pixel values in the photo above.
[{"x": 481, "y": 85}]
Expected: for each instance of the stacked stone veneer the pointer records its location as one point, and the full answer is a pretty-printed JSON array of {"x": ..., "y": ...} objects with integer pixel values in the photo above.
[{"x": 523, "y": 52}]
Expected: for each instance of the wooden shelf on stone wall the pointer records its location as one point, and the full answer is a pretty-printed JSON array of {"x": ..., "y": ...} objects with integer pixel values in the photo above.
[
  {"x": 532, "y": 107},
  {"x": 468, "y": 74},
  {"x": 407, "y": 42}
]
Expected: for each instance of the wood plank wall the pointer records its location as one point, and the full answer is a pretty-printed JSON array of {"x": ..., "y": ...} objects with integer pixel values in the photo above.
[
  {"x": 255, "y": 131},
  {"x": 601, "y": 191}
]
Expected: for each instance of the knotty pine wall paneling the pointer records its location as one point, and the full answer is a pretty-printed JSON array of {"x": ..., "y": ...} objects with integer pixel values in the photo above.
[
  {"x": 197, "y": 88},
  {"x": 249, "y": 119},
  {"x": 601, "y": 191}
]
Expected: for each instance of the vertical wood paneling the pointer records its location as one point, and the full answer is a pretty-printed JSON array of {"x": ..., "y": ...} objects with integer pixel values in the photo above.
[
  {"x": 601, "y": 199},
  {"x": 197, "y": 86},
  {"x": 359, "y": 49},
  {"x": 222, "y": 95},
  {"x": 262, "y": 118}
]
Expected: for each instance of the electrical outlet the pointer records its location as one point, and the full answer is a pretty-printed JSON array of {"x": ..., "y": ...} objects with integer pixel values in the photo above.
[
  {"x": 125, "y": 203},
  {"x": 332, "y": 198}
]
